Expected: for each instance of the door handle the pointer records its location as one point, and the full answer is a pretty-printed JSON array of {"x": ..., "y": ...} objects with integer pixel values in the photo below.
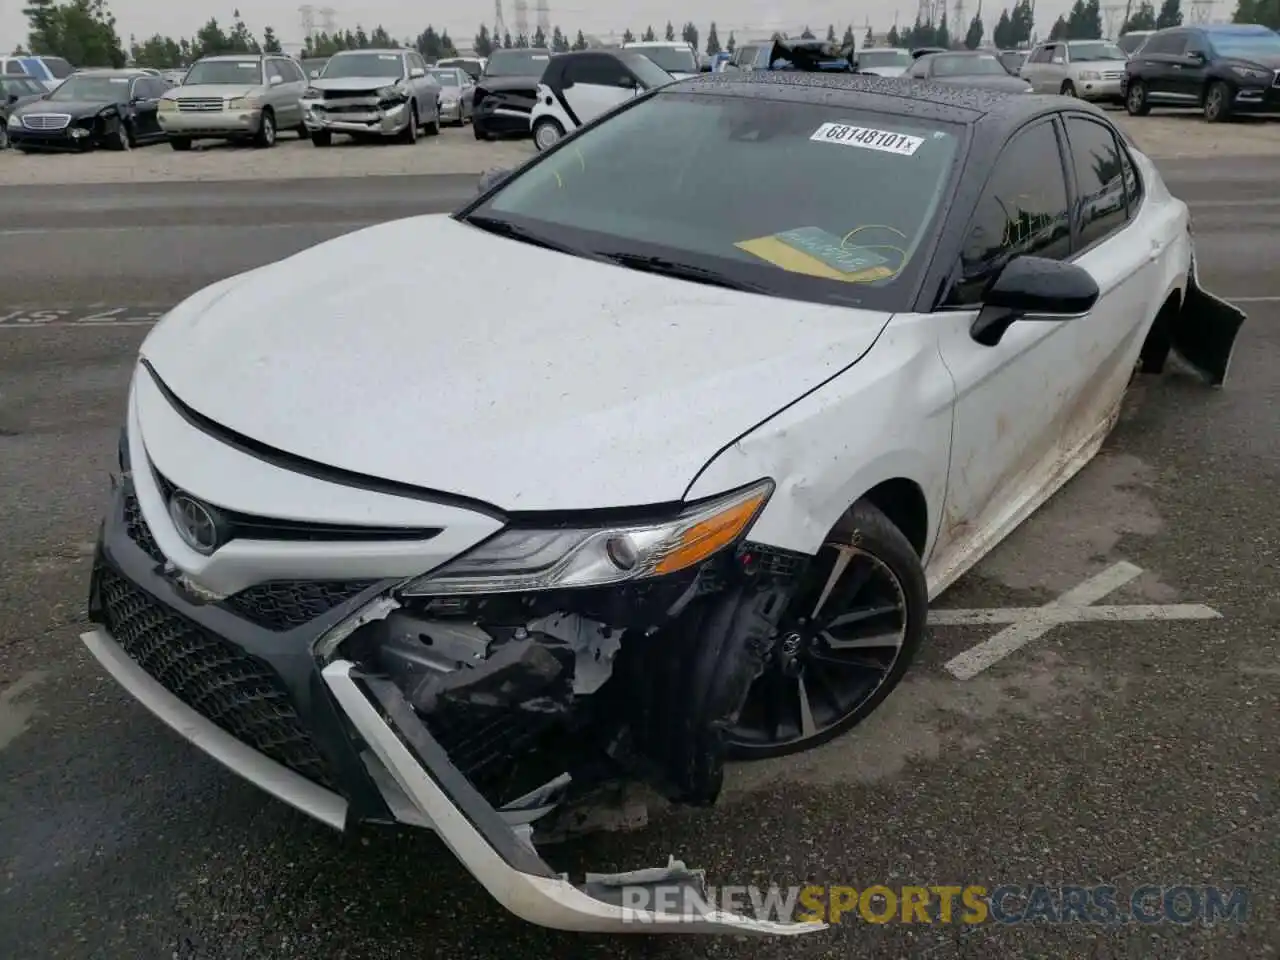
[
  {"x": 1177, "y": 66},
  {"x": 1157, "y": 248}
]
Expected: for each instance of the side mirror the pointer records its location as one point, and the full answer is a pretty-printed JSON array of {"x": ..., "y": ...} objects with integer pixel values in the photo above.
[
  {"x": 276, "y": 80},
  {"x": 1033, "y": 288},
  {"x": 491, "y": 178},
  {"x": 1197, "y": 55},
  {"x": 13, "y": 98},
  {"x": 416, "y": 72}
]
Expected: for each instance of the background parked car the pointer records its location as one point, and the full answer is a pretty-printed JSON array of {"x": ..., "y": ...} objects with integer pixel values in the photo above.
[
  {"x": 240, "y": 97},
  {"x": 456, "y": 92},
  {"x": 312, "y": 67},
  {"x": 1012, "y": 60},
  {"x": 372, "y": 94},
  {"x": 968, "y": 69},
  {"x": 674, "y": 56},
  {"x": 93, "y": 108},
  {"x": 1223, "y": 69},
  {"x": 1088, "y": 69},
  {"x": 473, "y": 66},
  {"x": 578, "y": 87},
  {"x": 506, "y": 92},
  {"x": 50, "y": 71},
  {"x": 1132, "y": 41},
  {"x": 883, "y": 61},
  {"x": 751, "y": 56},
  {"x": 15, "y": 91}
]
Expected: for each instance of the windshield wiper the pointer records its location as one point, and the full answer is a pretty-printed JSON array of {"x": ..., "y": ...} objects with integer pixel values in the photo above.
[
  {"x": 505, "y": 228},
  {"x": 681, "y": 271}
]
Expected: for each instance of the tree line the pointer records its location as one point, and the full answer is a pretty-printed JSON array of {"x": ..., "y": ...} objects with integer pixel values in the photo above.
[{"x": 84, "y": 33}]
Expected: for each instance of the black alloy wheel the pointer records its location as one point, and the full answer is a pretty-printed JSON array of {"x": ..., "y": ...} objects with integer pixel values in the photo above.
[
  {"x": 1135, "y": 101},
  {"x": 849, "y": 634}
]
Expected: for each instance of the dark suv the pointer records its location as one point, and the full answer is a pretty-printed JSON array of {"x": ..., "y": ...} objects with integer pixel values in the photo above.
[{"x": 1219, "y": 68}]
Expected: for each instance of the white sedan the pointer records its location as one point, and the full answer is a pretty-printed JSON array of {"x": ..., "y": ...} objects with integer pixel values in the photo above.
[{"x": 762, "y": 364}]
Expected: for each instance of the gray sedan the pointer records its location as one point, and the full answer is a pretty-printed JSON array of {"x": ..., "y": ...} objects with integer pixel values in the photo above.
[
  {"x": 967, "y": 68},
  {"x": 456, "y": 92}
]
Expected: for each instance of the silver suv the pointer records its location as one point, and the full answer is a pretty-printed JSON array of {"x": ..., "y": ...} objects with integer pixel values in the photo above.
[
  {"x": 1088, "y": 69},
  {"x": 370, "y": 94},
  {"x": 240, "y": 97}
]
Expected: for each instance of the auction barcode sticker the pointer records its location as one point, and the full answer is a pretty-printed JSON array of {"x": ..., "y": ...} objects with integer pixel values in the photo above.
[{"x": 869, "y": 138}]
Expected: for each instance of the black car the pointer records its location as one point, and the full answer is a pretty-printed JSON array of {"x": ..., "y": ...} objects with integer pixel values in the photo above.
[
  {"x": 506, "y": 91},
  {"x": 967, "y": 68},
  {"x": 1220, "y": 68},
  {"x": 95, "y": 108},
  {"x": 15, "y": 91}
]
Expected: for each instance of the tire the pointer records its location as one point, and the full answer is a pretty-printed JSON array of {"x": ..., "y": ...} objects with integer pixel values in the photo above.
[
  {"x": 122, "y": 140},
  {"x": 1068, "y": 89},
  {"x": 4, "y": 138},
  {"x": 180, "y": 143},
  {"x": 322, "y": 138},
  {"x": 1135, "y": 99},
  {"x": 1217, "y": 102},
  {"x": 547, "y": 133},
  {"x": 433, "y": 128},
  {"x": 888, "y": 572},
  {"x": 303, "y": 132},
  {"x": 409, "y": 134},
  {"x": 265, "y": 138},
  {"x": 480, "y": 132}
]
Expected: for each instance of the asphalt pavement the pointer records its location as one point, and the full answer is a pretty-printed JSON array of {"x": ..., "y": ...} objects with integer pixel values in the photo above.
[{"x": 1121, "y": 752}]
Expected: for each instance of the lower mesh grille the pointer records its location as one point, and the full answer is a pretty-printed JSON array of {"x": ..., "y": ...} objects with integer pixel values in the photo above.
[
  {"x": 239, "y": 693},
  {"x": 285, "y": 604}
]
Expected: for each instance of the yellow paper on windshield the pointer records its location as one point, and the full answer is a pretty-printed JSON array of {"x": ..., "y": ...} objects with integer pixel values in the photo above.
[{"x": 805, "y": 251}]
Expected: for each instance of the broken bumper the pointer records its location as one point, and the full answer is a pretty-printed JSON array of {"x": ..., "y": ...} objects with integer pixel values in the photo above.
[
  {"x": 256, "y": 701},
  {"x": 357, "y": 117}
]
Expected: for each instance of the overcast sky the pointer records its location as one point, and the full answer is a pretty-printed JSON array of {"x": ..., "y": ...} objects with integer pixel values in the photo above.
[{"x": 408, "y": 17}]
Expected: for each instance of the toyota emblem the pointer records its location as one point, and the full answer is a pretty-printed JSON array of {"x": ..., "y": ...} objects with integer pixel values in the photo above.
[{"x": 195, "y": 523}]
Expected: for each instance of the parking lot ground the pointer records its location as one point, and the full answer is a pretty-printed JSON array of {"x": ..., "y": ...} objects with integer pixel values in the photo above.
[{"x": 1124, "y": 752}]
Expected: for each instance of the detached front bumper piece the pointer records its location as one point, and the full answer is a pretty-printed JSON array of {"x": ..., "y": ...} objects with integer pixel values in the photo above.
[{"x": 355, "y": 117}]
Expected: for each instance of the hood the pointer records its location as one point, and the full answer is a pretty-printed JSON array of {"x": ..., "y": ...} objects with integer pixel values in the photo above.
[
  {"x": 681, "y": 75},
  {"x": 1262, "y": 61},
  {"x": 354, "y": 83},
  {"x": 212, "y": 91},
  {"x": 883, "y": 71},
  {"x": 76, "y": 108},
  {"x": 557, "y": 384},
  {"x": 987, "y": 82}
]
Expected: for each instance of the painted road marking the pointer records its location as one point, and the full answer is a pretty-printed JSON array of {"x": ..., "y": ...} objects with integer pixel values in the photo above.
[
  {"x": 1075, "y": 606},
  {"x": 94, "y": 315}
]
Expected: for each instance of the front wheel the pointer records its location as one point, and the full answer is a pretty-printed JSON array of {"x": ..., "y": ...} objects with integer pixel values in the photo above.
[
  {"x": 266, "y": 136},
  {"x": 849, "y": 633},
  {"x": 547, "y": 133},
  {"x": 121, "y": 138},
  {"x": 322, "y": 138},
  {"x": 180, "y": 143},
  {"x": 1217, "y": 102},
  {"x": 433, "y": 128},
  {"x": 1068, "y": 89},
  {"x": 1135, "y": 101},
  {"x": 410, "y": 133}
]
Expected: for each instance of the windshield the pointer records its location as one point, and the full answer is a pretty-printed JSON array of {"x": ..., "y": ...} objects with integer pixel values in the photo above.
[
  {"x": 346, "y": 65},
  {"x": 807, "y": 201},
  {"x": 243, "y": 73},
  {"x": 646, "y": 71},
  {"x": 1012, "y": 61},
  {"x": 1246, "y": 44},
  {"x": 670, "y": 59},
  {"x": 472, "y": 67},
  {"x": 58, "y": 67},
  {"x": 446, "y": 78},
  {"x": 884, "y": 58},
  {"x": 1130, "y": 42},
  {"x": 93, "y": 89},
  {"x": 1082, "y": 52},
  {"x": 947, "y": 66},
  {"x": 20, "y": 87},
  {"x": 517, "y": 63}
]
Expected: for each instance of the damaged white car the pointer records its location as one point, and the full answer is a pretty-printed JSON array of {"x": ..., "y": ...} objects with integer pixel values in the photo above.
[{"x": 767, "y": 361}]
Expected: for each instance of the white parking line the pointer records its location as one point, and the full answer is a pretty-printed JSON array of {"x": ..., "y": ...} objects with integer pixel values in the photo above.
[{"x": 1075, "y": 606}]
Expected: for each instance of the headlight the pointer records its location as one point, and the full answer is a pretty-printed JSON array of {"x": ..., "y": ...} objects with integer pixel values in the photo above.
[
  {"x": 1090, "y": 75},
  {"x": 167, "y": 105},
  {"x": 551, "y": 559},
  {"x": 244, "y": 103},
  {"x": 15, "y": 120},
  {"x": 391, "y": 92},
  {"x": 1251, "y": 74}
]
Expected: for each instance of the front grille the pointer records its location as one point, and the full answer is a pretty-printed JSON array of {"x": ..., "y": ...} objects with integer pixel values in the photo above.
[
  {"x": 353, "y": 94},
  {"x": 200, "y": 104},
  {"x": 341, "y": 109},
  {"x": 1113, "y": 75},
  {"x": 286, "y": 604},
  {"x": 239, "y": 693},
  {"x": 139, "y": 532},
  {"x": 46, "y": 121}
]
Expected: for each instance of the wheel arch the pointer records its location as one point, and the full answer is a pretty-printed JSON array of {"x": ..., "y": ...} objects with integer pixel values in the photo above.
[{"x": 903, "y": 501}]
